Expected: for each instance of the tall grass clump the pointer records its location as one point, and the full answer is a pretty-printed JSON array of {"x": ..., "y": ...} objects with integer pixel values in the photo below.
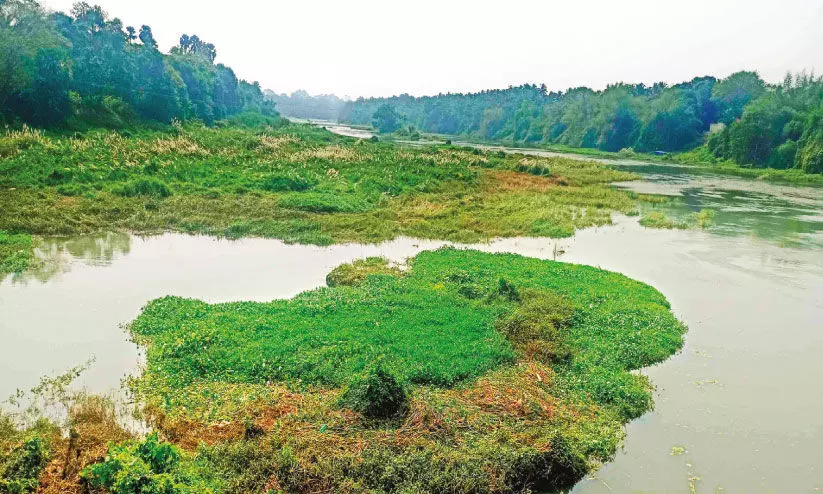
[{"x": 377, "y": 394}]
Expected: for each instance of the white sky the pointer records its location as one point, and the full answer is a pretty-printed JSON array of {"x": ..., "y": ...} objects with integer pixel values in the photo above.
[{"x": 380, "y": 48}]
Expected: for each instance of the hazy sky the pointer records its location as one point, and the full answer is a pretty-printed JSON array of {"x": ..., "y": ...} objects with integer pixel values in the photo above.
[{"x": 381, "y": 47}]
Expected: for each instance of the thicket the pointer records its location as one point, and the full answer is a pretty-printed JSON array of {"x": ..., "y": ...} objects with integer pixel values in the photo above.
[
  {"x": 84, "y": 69},
  {"x": 739, "y": 118}
]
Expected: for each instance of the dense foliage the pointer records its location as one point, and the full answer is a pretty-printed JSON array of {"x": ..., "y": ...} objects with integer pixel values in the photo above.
[
  {"x": 149, "y": 466},
  {"x": 743, "y": 118},
  {"x": 495, "y": 373},
  {"x": 86, "y": 69},
  {"x": 21, "y": 466},
  {"x": 377, "y": 394}
]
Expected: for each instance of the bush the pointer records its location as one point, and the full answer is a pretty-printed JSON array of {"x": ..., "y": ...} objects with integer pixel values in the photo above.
[
  {"x": 144, "y": 187},
  {"x": 377, "y": 394},
  {"x": 147, "y": 467},
  {"x": 810, "y": 156},
  {"x": 20, "y": 470},
  {"x": 507, "y": 290},
  {"x": 533, "y": 169},
  {"x": 784, "y": 155}
]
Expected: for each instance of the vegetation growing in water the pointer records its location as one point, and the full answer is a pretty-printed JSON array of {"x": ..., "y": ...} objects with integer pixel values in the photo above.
[
  {"x": 15, "y": 252},
  {"x": 297, "y": 183},
  {"x": 279, "y": 387},
  {"x": 657, "y": 219}
]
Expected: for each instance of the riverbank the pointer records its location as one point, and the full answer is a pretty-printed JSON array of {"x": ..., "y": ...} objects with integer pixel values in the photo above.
[
  {"x": 298, "y": 183},
  {"x": 699, "y": 158}
]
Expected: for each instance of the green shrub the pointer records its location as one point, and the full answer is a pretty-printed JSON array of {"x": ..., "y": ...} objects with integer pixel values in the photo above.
[
  {"x": 507, "y": 290},
  {"x": 20, "y": 469},
  {"x": 537, "y": 170},
  {"x": 810, "y": 156},
  {"x": 144, "y": 467},
  {"x": 377, "y": 394},
  {"x": 251, "y": 119}
]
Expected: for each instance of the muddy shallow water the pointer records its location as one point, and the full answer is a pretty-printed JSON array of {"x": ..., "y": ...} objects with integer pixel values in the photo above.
[{"x": 738, "y": 410}]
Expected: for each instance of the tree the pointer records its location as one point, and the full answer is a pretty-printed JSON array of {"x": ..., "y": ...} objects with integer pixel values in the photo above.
[
  {"x": 733, "y": 93},
  {"x": 147, "y": 37},
  {"x": 385, "y": 119},
  {"x": 193, "y": 45}
]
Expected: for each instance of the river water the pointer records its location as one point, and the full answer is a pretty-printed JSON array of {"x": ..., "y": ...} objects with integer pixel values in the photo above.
[{"x": 738, "y": 410}]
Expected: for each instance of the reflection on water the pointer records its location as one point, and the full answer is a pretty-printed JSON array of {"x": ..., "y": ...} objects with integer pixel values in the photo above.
[
  {"x": 786, "y": 215},
  {"x": 56, "y": 255}
]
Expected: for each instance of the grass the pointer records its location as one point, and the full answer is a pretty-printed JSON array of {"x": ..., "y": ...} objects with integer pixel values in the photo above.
[
  {"x": 702, "y": 219},
  {"x": 15, "y": 252},
  {"x": 517, "y": 372},
  {"x": 658, "y": 219},
  {"x": 297, "y": 183}
]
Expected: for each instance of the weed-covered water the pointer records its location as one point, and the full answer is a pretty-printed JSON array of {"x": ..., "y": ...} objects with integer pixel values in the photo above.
[{"x": 738, "y": 409}]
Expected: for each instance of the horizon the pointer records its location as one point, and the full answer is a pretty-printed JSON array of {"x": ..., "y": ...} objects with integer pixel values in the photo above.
[{"x": 495, "y": 49}]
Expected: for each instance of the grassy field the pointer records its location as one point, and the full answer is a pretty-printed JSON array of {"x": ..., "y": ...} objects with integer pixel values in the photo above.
[{"x": 297, "y": 183}]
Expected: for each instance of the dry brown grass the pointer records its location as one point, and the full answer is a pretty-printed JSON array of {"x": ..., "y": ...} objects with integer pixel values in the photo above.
[
  {"x": 330, "y": 153},
  {"x": 178, "y": 145},
  {"x": 512, "y": 181},
  {"x": 274, "y": 143},
  {"x": 94, "y": 424}
]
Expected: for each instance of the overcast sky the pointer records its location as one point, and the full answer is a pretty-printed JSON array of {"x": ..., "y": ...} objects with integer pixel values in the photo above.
[{"x": 382, "y": 47}]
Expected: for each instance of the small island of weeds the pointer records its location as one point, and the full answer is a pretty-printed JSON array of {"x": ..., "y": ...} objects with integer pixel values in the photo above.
[{"x": 466, "y": 372}]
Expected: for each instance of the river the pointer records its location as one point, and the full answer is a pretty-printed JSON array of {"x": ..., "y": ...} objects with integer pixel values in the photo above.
[{"x": 738, "y": 410}]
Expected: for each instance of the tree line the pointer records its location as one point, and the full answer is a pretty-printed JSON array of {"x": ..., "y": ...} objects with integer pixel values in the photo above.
[
  {"x": 739, "y": 118},
  {"x": 84, "y": 68}
]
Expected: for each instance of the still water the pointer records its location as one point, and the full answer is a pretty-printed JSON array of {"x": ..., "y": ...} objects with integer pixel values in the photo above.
[{"x": 738, "y": 410}]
